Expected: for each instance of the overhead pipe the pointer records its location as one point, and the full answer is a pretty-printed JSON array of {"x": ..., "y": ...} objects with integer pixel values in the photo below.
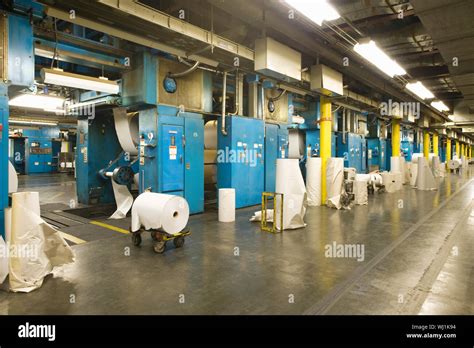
[
  {"x": 237, "y": 93},
  {"x": 224, "y": 93},
  {"x": 186, "y": 72}
]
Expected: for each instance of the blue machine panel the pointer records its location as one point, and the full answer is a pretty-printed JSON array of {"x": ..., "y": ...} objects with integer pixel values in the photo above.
[
  {"x": 3, "y": 155},
  {"x": 313, "y": 141},
  {"x": 241, "y": 159},
  {"x": 407, "y": 150},
  {"x": 363, "y": 147},
  {"x": 353, "y": 149},
  {"x": 21, "y": 58},
  {"x": 173, "y": 162},
  {"x": 173, "y": 158},
  {"x": 376, "y": 154},
  {"x": 276, "y": 146}
]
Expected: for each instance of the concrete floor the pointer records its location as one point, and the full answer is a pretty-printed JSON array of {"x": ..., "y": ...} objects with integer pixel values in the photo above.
[{"x": 418, "y": 259}]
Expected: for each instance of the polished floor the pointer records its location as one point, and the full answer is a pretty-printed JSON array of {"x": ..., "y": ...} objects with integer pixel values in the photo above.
[{"x": 417, "y": 259}]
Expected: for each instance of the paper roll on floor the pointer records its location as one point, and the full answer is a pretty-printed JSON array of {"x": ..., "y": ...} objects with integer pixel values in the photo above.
[
  {"x": 288, "y": 176},
  {"x": 361, "y": 196},
  {"x": 226, "y": 211},
  {"x": 210, "y": 135},
  {"x": 415, "y": 156},
  {"x": 391, "y": 181},
  {"x": 160, "y": 211},
  {"x": 313, "y": 180},
  {"x": 425, "y": 179},
  {"x": 47, "y": 249},
  {"x": 334, "y": 180},
  {"x": 126, "y": 126},
  {"x": 413, "y": 173}
]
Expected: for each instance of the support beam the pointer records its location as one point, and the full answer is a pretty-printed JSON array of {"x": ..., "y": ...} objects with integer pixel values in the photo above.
[
  {"x": 435, "y": 144},
  {"x": 448, "y": 152},
  {"x": 3, "y": 155},
  {"x": 396, "y": 137},
  {"x": 325, "y": 142},
  {"x": 426, "y": 144},
  {"x": 458, "y": 153}
]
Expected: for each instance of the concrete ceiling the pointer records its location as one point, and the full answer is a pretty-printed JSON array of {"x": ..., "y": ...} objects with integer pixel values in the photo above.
[{"x": 451, "y": 26}]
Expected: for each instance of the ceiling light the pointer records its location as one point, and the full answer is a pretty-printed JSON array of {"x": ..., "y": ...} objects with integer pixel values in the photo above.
[
  {"x": 33, "y": 123},
  {"x": 62, "y": 78},
  {"x": 420, "y": 90},
  {"x": 370, "y": 51},
  {"x": 440, "y": 106},
  {"x": 315, "y": 10},
  {"x": 38, "y": 101}
]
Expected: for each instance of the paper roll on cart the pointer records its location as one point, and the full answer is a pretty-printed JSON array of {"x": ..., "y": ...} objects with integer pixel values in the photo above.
[{"x": 165, "y": 216}]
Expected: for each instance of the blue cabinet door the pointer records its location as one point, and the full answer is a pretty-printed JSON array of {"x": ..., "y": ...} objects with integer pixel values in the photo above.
[{"x": 172, "y": 158}]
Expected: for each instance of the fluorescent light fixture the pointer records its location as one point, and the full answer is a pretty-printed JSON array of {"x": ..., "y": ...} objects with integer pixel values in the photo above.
[
  {"x": 33, "y": 123},
  {"x": 420, "y": 90},
  {"x": 315, "y": 10},
  {"x": 440, "y": 106},
  {"x": 62, "y": 78},
  {"x": 371, "y": 52},
  {"x": 38, "y": 101}
]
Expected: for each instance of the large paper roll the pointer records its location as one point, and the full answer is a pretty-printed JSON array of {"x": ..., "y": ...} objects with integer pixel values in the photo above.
[
  {"x": 391, "y": 181},
  {"x": 210, "y": 135},
  {"x": 126, "y": 126},
  {"x": 44, "y": 246},
  {"x": 210, "y": 156},
  {"x": 12, "y": 178},
  {"x": 425, "y": 179},
  {"x": 296, "y": 144},
  {"x": 413, "y": 173},
  {"x": 408, "y": 171},
  {"x": 288, "y": 176},
  {"x": 313, "y": 180},
  {"x": 334, "y": 179},
  {"x": 160, "y": 211},
  {"x": 454, "y": 164},
  {"x": 8, "y": 224},
  {"x": 397, "y": 165},
  {"x": 415, "y": 156},
  {"x": 226, "y": 205},
  {"x": 360, "y": 192},
  {"x": 436, "y": 167},
  {"x": 363, "y": 177}
]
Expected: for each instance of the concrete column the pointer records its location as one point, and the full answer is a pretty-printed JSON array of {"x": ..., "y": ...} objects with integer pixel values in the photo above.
[
  {"x": 396, "y": 137},
  {"x": 325, "y": 142},
  {"x": 426, "y": 144},
  {"x": 448, "y": 151}
]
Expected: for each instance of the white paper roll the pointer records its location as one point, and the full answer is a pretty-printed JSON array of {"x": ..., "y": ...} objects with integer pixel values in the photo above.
[
  {"x": 454, "y": 164},
  {"x": 313, "y": 180},
  {"x": 334, "y": 178},
  {"x": 152, "y": 210},
  {"x": 363, "y": 177},
  {"x": 210, "y": 135},
  {"x": 415, "y": 156},
  {"x": 395, "y": 166},
  {"x": 425, "y": 179},
  {"x": 391, "y": 181},
  {"x": 413, "y": 173},
  {"x": 12, "y": 178},
  {"x": 136, "y": 179},
  {"x": 126, "y": 126},
  {"x": 408, "y": 171},
  {"x": 8, "y": 224},
  {"x": 360, "y": 192},
  {"x": 226, "y": 205},
  {"x": 296, "y": 144},
  {"x": 288, "y": 176}
]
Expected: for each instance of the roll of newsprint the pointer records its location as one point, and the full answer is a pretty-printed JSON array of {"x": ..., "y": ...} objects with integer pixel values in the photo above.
[
  {"x": 288, "y": 176},
  {"x": 361, "y": 195},
  {"x": 160, "y": 211},
  {"x": 415, "y": 156},
  {"x": 313, "y": 180},
  {"x": 12, "y": 178},
  {"x": 334, "y": 180},
  {"x": 226, "y": 205},
  {"x": 425, "y": 179},
  {"x": 123, "y": 199},
  {"x": 454, "y": 164},
  {"x": 210, "y": 135}
]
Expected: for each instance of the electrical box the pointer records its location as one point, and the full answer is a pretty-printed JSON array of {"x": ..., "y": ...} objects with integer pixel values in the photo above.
[
  {"x": 326, "y": 80},
  {"x": 276, "y": 60},
  {"x": 241, "y": 159}
]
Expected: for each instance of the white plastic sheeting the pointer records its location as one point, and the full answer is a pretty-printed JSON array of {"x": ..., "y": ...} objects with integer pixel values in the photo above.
[
  {"x": 334, "y": 180},
  {"x": 361, "y": 196},
  {"x": 12, "y": 178},
  {"x": 392, "y": 181},
  {"x": 226, "y": 205},
  {"x": 39, "y": 247},
  {"x": 313, "y": 180},
  {"x": 425, "y": 179},
  {"x": 123, "y": 199},
  {"x": 159, "y": 211},
  {"x": 126, "y": 126}
]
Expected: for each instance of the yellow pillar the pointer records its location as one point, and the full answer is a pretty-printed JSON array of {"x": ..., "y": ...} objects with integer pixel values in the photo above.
[
  {"x": 435, "y": 144},
  {"x": 448, "y": 151},
  {"x": 325, "y": 142},
  {"x": 457, "y": 149},
  {"x": 426, "y": 144},
  {"x": 462, "y": 149},
  {"x": 396, "y": 137}
]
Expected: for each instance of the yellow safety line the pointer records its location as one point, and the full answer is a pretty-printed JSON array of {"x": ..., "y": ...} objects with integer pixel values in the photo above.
[
  {"x": 110, "y": 227},
  {"x": 72, "y": 238}
]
